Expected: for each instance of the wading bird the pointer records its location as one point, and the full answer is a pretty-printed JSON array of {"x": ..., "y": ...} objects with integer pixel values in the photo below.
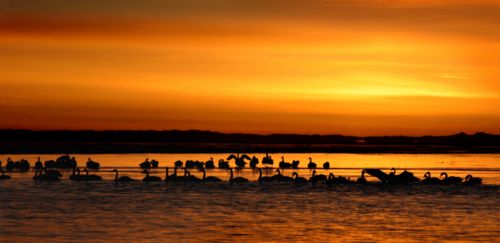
[
  {"x": 121, "y": 178},
  {"x": 237, "y": 180}
]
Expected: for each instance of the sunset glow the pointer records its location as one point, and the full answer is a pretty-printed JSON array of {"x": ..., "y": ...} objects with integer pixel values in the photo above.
[{"x": 298, "y": 66}]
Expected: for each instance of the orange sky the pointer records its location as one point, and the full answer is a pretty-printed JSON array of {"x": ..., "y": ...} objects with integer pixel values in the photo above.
[{"x": 361, "y": 67}]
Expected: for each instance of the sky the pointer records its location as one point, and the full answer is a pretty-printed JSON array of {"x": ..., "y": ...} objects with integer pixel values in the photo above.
[{"x": 360, "y": 67}]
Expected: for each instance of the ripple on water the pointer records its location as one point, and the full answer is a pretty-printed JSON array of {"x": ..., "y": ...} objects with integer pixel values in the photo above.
[{"x": 137, "y": 211}]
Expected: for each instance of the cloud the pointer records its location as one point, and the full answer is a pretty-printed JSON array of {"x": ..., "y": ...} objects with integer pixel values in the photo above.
[{"x": 463, "y": 18}]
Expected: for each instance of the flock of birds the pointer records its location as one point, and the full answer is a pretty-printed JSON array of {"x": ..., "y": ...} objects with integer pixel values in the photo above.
[{"x": 50, "y": 171}]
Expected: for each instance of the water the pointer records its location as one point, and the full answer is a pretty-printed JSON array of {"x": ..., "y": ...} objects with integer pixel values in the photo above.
[{"x": 137, "y": 211}]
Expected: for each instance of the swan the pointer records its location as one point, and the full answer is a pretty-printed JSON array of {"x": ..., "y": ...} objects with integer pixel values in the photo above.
[
  {"x": 237, "y": 180},
  {"x": 362, "y": 180},
  {"x": 326, "y": 165},
  {"x": 284, "y": 165},
  {"x": 264, "y": 178},
  {"x": 254, "y": 162},
  {"x": 377, "y": 173},
  {"x": 311, "y": 164},
  {"x": 428, "y": 180},
  {"x": 173, "y": 177},
  {"x": 76, "y": 175},
  {"x": 3, "y": 176},
  {"x": 470, "y": 180},
  {"x": 191, "y": 178},
  {"x": 154, "y": 163},
  {"x": 185, "y": 178},
  {"x": 199, "y": 165},
  {"x": 189, "y": 164},
  {"x": 337, "y": 180},
  {"x": 210, "y": 163},
  {"x": 210, "y": 178},
  {"x": 295, "y": 164},
  {"x": 316, "y": 178},
  {"x": 150, "y": 178},
  {"x": 10, "y": 165},
  {"x": 223, "y": 164},
  {"x": 92, "y": 177},
  {"x": 404, "y": 178},
  {"x": 343, "y": 180},
  {"x": 92, "y": 164},
  {"x": 146, "y": 164},
  {"x": 38, "y": 164},
  {"x": 121, "y": 178},
  {"x": 392, "y": 176},
  {"x": 51, "y": 175},
  {"x": 450, "y": 180},
  {"x": 280, "y": 177},
  {"x": 239, "y": 161},
  {"x": 22, "y": 165},
  {"x": 299, "y": 180},
  {"x": 331, "y": 179},
  {"x": 267, "y": 160},
  {"x": 178, "y": 163}
]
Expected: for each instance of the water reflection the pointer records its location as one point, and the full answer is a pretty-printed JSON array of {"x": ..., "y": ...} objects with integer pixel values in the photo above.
[
  {"x": 138, "y": 211},
  {"x": 105, "y": 211},
  {"x": 349, "y": 165}
]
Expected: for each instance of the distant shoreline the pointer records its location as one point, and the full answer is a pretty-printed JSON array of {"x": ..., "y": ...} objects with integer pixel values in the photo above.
[
  {"x": 122, "y": 142},
  {"x": 131, "y": 148}
]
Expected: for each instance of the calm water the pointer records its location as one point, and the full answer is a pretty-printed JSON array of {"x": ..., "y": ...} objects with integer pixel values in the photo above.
[{"x": 137, "y": 211}]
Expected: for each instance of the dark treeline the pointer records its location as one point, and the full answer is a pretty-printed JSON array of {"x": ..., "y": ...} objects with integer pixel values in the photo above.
[
  {"x": 26, "y": 141},
  {"x": 175, "y": 136}
]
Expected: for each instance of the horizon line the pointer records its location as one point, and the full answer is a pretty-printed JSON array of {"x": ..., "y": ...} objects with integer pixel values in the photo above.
[{"x": 238, "y": 133}]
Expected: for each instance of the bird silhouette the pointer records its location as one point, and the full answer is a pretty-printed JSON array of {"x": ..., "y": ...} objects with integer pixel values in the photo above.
[
  {"x": 254, "y": 162},
  {"x": 326, "y": 165},
  {"x": 337, "y": 180},
  {"x": 299, "y": 180},
  {"x": 470, "y": 180},
  {"x": 317, "y": 178},
  {"x": 209, "y": 164},
  {"x": 146, "y": 164},
  {"x": 239, "y": 160},
  {"x": 450, "y": 180},
  {"x": 89, "y": 177},
  {"x": 311, "y": 164},
  {"x": 210, "y": 178},
  {"x": 178, "y": 163},
  {"x": 93, "y": 165},
  {"x": 10, "y": 165},
  {"x": 223, "y": 164},
  {"x": 76, "y": 175},
  {"x": 264, "y": 178},
  {"x": 404, "y": 178},
  {"x": 174, "y": 177},
  {"x": 283, "y": 164},
  {"x": 267, "y": 160},
  {"x": 237, "y": 180},
  {"x": 279, "y": 177},
  {"x": 428, "y": 180},
  {"x": 154, "y": 163},
  {"x": 47, "y": 175},
  {"x": 191, "y": 178},
  {"x": 122, "y": 178},
  {"x": 149, "y": 178},
  {"x": 362, "y": 179},
  {"x": 38, "y": 164}
]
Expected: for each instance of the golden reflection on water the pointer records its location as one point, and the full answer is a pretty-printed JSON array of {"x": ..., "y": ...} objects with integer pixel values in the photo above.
[
  {"x": 144, "y": 212},
  {"x": 483, "y": 165}
]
